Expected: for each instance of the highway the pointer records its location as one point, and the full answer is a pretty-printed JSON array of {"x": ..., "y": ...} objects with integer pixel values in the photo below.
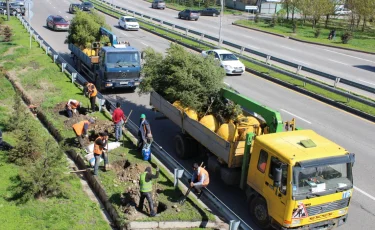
[
  {"x": 355, "y": 66},
  {"x": 353, "y": 133}
]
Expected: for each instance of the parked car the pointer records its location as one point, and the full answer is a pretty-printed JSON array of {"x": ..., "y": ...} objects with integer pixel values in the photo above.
[
  {"x": 230, "y": 63},
  {"x": 13, "y": 8},
  {"x": 74, "y": 7},
  {"x": 57, "y": 22},
  {"x": 158, "y": 4},
  {"x": 210, "y": 12},
  {"x": 189, "y": 14},
  {"x": 87, "y": 6},
  {"x": 128, "y": 23}
]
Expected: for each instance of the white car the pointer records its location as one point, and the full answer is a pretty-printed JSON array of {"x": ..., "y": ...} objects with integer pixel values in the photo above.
[
  {"x": 230, "y": 63},
  {"x": 128, "y": 23}
]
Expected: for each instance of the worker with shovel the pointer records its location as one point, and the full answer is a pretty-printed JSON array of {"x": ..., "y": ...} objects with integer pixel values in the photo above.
[
  {"x": 71, "y": 107},
  {"x": 199, "y": 180},
  {"x": 145, "y": 183},
  {"x": 91, "y": 92},
  {"x": 118, "y": 119},
  {"x": 100, "y": 145},
  {"x": 81, "y": 129}
]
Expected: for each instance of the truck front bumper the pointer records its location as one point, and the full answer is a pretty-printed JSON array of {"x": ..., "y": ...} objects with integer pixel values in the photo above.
[
  {"x": 323, "y": 225},
  {"x": 121, "y": 84}
]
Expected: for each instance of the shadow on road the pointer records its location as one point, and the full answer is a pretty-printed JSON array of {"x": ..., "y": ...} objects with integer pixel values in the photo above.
[{"x": 366, "y": 67}]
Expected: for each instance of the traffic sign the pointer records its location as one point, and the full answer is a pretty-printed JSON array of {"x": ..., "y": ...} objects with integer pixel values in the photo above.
[{"x": 251, "y": 7}]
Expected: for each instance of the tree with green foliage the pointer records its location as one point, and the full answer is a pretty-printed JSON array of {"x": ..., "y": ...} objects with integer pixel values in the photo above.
[
  {"x": 45, "y": 177},
  {"x": 315, "y": 9},
  {"x": 85, "y": 29},
  {"x": 363, "y": 9}
]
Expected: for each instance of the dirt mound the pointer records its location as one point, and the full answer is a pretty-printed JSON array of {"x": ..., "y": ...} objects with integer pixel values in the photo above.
[{"x": 97, "y": 127}]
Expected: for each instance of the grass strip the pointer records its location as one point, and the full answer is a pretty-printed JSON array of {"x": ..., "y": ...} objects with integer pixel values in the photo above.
[
  {"x": 50, "y": 87},
  {"x": 191, "y": 42}
]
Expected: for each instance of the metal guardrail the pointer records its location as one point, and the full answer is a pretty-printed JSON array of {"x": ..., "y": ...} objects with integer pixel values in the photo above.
[
  {"x": 335, "y": 79},
  {"x": 162, "y": 155},
  {"x": 345, "y": 94}
]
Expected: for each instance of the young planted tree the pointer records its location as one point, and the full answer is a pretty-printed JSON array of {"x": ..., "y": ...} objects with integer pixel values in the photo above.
[
  {"x": 363, "y": 9},
  {"x": 85, "y": 29}
]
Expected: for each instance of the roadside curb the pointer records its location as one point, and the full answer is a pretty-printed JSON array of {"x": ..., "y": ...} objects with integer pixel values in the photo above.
[{"x": 303, "y": 41}]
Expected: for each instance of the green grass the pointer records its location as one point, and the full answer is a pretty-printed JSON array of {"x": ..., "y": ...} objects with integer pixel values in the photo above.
[
  {"x": 357, "y": 105},
  {"x": 364, "y": 41},
  {"x": 38, "y": 74}
]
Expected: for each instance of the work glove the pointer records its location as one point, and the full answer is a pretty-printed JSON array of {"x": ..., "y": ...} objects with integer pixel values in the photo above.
[{"x": 87, "y": 136}]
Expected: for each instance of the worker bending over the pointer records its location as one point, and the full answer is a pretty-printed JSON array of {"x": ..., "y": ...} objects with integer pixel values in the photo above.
[
  {"x": 200, "y": 179},
  {"x": 101, "y": 144},
  {"x": 71, "y": 107},
  {"x": 118, "y": 119},
  {"x": 91, "y": 92},
  {"x": 145, "y": 183},
  {"x": 81, "y": 129}
]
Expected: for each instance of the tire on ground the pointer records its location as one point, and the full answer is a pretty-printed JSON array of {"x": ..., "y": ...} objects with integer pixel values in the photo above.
[
  {"x": 182, "y": 146},
  {"x": 230, "y": 176},
  {"x": 214, "y": 166},
  {"x": 259, "y": 212}
]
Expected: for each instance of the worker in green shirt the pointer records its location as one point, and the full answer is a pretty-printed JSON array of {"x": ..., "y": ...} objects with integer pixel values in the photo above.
[{"x": 145, "y": 183}]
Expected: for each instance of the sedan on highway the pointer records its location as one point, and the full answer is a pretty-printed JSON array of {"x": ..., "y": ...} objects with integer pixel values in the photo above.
[
  {"x": 210, "y": 12},
  {"x": 230, "y": 63},
  {"x": 87, "y": 6},
  {"x": 74, "y": 7},
  {"x": 189, "y": 14},
  {"x": 56, "y": 22},
  {"x": 128, "y": 23},
  {"x": 158, "y": 4}
]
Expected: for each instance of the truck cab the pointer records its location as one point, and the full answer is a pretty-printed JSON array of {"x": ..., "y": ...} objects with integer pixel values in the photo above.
[{"x": 299, "y": 179}]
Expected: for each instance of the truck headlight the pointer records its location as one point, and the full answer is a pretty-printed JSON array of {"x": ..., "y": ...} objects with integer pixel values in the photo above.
[
  {"x": 108, "y": 84},
  {"x": 342, "y": 211}
]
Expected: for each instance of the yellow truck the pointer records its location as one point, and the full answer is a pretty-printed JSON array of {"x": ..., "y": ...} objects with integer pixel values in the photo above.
[{"x": 293, "y": 179}]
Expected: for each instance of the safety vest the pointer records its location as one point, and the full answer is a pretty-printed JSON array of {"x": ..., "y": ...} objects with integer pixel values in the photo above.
[
  {"x": 92, "y": 90},
  {"x": 204, "y": 172},
  {"x": 145, "y": 186},
  {"x": 73, "y": 105},
  {"x": 78, "y": 127},
  {"x": 98, "y": 149}
]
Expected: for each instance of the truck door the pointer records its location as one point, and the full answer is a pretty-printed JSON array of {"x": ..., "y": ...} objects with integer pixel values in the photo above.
[{"x": 276, "y": 196}]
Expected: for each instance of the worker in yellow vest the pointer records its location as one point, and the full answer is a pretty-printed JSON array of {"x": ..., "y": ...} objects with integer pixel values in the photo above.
[
  {"x": 81, "y": 129},
  {"x": 100, "y": 144},
  {"x": 145, "y": 183},
  {"x": 91, "y": 92},
  {"x": 200, "y": 179}
]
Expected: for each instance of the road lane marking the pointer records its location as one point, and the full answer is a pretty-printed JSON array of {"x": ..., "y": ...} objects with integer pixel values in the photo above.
[
  {"x": 364, "y": 193},
  {"x": 366, "y": 82},
  {"x": 298, "y": 61},
  {"x": 144, "y": 44},
  {"x": 363, "y": 59},
  {"x": 339, "y": 62},
  {"x": 124, "y": 34},
  {"x": 286, "y": 47},
  {"x": 296, "y": 116}
]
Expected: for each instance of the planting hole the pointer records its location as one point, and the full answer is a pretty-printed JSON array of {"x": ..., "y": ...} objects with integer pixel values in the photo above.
[{"x": 161, "y": 207}]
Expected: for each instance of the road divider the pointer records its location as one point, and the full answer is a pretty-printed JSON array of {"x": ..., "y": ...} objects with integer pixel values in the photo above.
[{"x": 337, "y": 97}]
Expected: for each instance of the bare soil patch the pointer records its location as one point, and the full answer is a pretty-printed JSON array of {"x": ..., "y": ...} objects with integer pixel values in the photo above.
[{"x": 11, "y": 50}]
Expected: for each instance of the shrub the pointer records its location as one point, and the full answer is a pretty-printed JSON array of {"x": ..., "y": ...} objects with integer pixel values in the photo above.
[
  {"x": 317, "y": 33},
  {"x": 256, "y": 18},
  {"x": 346, "y": 37},
  {"x": 7, "y": 34}
]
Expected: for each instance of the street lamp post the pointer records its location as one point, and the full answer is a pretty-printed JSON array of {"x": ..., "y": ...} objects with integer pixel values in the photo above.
[
  {"x": 221, "y": 20},
  {"x": 8, "y": 11}
]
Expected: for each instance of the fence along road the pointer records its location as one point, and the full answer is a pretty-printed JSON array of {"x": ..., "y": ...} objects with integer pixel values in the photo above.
[{"x": 353, "y": 70}]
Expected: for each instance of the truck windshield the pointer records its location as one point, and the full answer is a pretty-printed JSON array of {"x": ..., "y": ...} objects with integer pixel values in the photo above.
[
  {"x": 122, "y": 59},
  {"x": 321, "y": 180}
]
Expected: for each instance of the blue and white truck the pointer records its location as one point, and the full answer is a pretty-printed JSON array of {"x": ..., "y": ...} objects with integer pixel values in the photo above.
[{"x": 115, "y": 66}]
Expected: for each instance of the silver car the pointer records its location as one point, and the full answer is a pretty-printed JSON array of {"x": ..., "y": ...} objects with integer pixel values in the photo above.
[{"x": 158, "y": 4}]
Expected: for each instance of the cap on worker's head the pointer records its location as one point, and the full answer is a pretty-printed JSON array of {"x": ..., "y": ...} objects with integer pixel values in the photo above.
[
  {"x": 148, "y": 169},
  {"x": 91, "y": 120},
  {"x": 118, "y": 105},
  {"x": 195, "y": 166},
  {"x": 86, "y": 83},
  {"x": 104, "y": 134},
  {"x": 143, "y": 115}
]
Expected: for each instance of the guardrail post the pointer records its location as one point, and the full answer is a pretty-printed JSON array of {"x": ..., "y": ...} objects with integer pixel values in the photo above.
[
  {"x": 63, "y": 65},
  {"x": 242, "y": 50},
  {"x": 40, "y": 43},
  {"x": 126, "y": 11},
  {"x": 268, "y": 59},
  {"x": 133, "y": 14},
  {"x": 55, "y": 56},
  {"x": 31, "y": 32},
  {"x": 186, "y": 31},
  {"x": 173, "y": 27},
  {"x": 47, "y": 50},
  {"x": 74, "y": 76},
  {"x": 202, "y": 37},
  {"x": 101, "y": 104},
  {"x": 337, "y": 80},
  {"x": 234, "y": 224},
  {"x": 298, "y": 69},
  {"x": 161, "y": 22},
  {"x": 178, "y": 173},
  {"x": 141, "y": 15}
]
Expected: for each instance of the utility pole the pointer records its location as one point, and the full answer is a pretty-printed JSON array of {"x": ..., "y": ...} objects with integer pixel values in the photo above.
[
  {"x": 221, "y": 20},
  {"x": 8, "y": 11}
]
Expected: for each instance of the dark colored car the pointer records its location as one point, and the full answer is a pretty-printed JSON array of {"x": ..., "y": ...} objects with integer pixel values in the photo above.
[
  {"x": 14, "y": 7},
  {"x": 189, "y": 14},
  {"x": 74, "y": 7},
  {"x": 210, "y": 12},
  {"x": 56, "y": 22},
  {"x": 87, "y": 6},
  {"x": 158, "y": 4}
]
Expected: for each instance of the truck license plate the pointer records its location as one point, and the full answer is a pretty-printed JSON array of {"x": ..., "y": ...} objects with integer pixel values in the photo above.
[{"x": 123, "y": 83}]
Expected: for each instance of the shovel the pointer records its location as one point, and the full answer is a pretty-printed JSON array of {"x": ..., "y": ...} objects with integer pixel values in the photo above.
[{"x": 183, "y": 199}]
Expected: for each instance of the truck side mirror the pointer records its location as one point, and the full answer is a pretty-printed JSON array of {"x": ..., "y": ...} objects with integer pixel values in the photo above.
[
  {"x": 352, "y": 158},
  {"x": 277, "y": 174}
]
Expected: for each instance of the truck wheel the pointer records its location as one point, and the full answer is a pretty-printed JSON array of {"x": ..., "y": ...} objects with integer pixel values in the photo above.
[
  {"x": 259, "y": 212},
  {"x": 98, "y": 84},
  {"x": 182, "y": 146},
  {"x": 214, "y": 165},
  {"x": 230, "y": 177}
]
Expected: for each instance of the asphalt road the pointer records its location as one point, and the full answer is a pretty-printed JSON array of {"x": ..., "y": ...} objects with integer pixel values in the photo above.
[
  {"x": 355, "y": 66},
  {"x": 353, "y": 133}
]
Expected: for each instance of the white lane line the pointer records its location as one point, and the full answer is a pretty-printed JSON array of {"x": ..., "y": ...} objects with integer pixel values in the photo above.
[
  {"x": 286, "y": 47},
  {"x": 342, "y": 63},
  {"x": 144, "y": 44},
  {"x": 366, "y": 82},
  {"x": 124, "y": 34},
  {"x": 364, "y": 193},
  {"x": 300, "y": 62},
  {"x": 350, "y": 56},
  {"x": 296, "y": 116}
]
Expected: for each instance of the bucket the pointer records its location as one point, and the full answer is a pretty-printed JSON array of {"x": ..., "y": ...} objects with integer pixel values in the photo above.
[{"x": 146, "y": 152}]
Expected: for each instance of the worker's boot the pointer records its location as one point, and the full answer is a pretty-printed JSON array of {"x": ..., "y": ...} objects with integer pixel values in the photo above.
[{"x": 107, "y": 167}]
